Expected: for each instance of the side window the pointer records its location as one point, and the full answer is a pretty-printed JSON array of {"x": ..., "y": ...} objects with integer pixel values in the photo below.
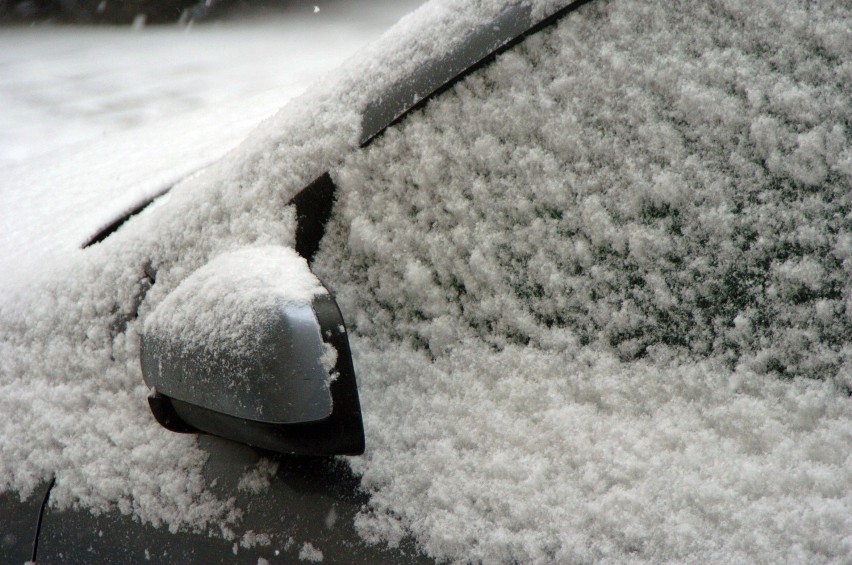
[
  {"x": 582, "y": 278},
  {"x": 589, "y": 183}
]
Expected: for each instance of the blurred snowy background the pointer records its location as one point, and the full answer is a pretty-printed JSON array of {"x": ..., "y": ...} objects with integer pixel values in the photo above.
[{"x": 94, "y": 119}]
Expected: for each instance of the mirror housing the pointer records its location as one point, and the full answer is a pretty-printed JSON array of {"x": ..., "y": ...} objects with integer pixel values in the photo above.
[{"x": 288, "y": 385}]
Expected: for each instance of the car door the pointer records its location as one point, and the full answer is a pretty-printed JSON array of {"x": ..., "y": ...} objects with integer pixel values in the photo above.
[{"x": 292, "y": 507}]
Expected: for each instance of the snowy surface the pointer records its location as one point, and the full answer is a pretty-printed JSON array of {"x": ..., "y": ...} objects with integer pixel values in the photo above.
[
  {"x": 95, "y": 120},
  {"x": 618, "y": 299},
  {"x": 598, "y": 295},
  {"x": 222, "y": 305},
  {"x": 309, "y": 553},
  {"x": 227, "y": 321}
]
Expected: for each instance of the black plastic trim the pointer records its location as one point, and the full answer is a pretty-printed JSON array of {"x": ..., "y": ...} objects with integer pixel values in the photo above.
[
  {"x": 313, "y": 209},
  {"x": 41, "y": 517},
  {"x": 110, "y": 229},
  {"x": 164, "y": 412}
]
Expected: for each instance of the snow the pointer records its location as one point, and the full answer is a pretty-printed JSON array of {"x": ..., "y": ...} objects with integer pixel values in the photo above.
[
  {"x": 331, "y": 519},
  {"x": 95, "y": 120},
  {"x": 598, "y": 295},
  {"x": 222, "y": 305},
  {"x": 257, "y": 479},
  {"x": 69, "y": 337},
  {"x": 310, "y": 553},
  {"x": 251, "y": 539}
]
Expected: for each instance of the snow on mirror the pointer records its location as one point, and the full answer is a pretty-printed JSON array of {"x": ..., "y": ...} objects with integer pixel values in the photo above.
[{"x": 252, "y": 347}]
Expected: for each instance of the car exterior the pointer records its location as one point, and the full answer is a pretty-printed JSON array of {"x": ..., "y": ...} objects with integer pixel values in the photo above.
[{"x": 595, "y": 272}]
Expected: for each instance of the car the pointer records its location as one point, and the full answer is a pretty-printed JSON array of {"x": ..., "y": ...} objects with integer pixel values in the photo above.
[{"x": 592, "y": 261}]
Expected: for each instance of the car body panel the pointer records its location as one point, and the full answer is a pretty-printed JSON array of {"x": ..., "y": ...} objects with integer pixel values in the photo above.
[
  {"x": 306, "y": 500},
  {"x": 19, "y": 523}
]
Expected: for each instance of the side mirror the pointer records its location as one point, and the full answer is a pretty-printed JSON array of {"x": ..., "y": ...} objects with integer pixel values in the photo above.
[{"x": 253, "y": 348}]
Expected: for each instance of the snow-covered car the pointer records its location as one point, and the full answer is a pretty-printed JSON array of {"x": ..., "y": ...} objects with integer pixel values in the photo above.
[{"x": 595, "y": 265}]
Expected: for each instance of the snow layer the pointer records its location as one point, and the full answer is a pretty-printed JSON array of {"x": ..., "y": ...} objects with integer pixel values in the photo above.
[
  {"x": 599, "y": 294},
  {"x": 609, "y": 317},
  {"x": 95, "y": 120},
  {"x": 222, "y": 305},
  {"x": 71, "y": 387},
  {"x": 310, "y": 553}
]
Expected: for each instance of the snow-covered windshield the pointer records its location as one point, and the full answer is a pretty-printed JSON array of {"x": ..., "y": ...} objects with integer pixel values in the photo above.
[
  {"x": 601, "y": 294},
  {"x": 598, "y": 295},
  {"x": 96, "y": 119}
]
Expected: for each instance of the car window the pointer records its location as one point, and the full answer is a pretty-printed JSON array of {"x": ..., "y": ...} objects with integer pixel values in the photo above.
[{"x": 565, "y": 243}]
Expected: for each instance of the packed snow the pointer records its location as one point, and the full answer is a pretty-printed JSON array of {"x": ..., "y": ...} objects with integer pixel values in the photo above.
[{"x": 599, "y": 294}]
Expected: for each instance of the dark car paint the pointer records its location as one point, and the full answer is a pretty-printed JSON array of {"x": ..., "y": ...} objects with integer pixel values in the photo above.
[
  {"x": 304, "y": 491},
  {"x": 298, "y": 503},
  {"x": 19, "y": 523}
]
